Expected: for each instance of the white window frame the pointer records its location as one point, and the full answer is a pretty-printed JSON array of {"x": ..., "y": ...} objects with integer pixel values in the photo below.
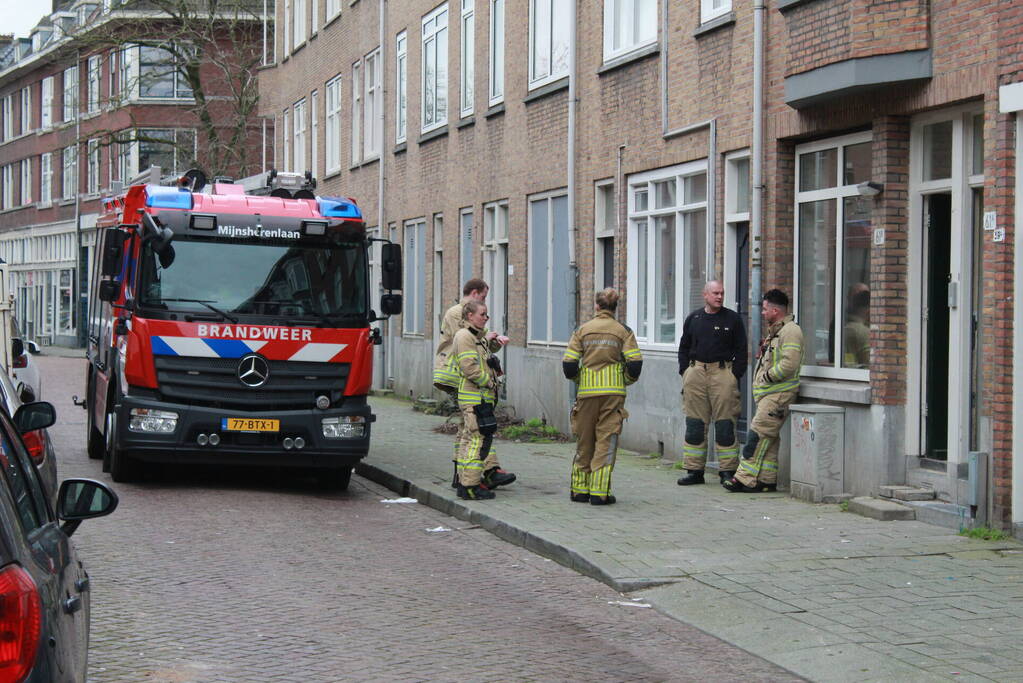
[
  {"x": 7, "y": 180},
  {"x": 401, "y": 87},
  {"x": 286, "y": 36},
  {"x": 372, "y": 105},
  {"x": 497, "y": 51},
  {"x": 332, "y": 134},
  {"x": 137, "y": 71},
  {"x": 733, "y": 215},
  {"x": 837, "y": 193},
  {"x": 712, "y": 9},
  {"x": 94, "y": 64},
  {"x": 299, "y": 8},
  {"x": 92, "y": 167},
  {"x": 625, "y": 22},
  {"x": 7, "y": 112},
  {"x": 414, "y": 312},
  {"x": 314, "y": 138},
  {"x": 548, "y": 11},
  {"x": 494, "y": 250},
  {"x": 466, "y": 243},
  {"x": 70, "y": 100},
  {"x": 682, "y": 293},
  {"x": 434, "y": 36},
  {"x": 45, "y": 179},
  {"x": 26, "y": 181},
  {"x": 602, "y": 231},
  {"x": 113, "y": 84},
  {"x": 314, "y": 17},
  {"x": 69, "y": 172},
  {"x": 46, "y": 102},
  {"x": 356, "y": 140},
  {"x": 299, "y": 137},
  {"x": 467, "y": 75},
  {"x": 332, "y": 8},
  {"x": 286, "y": 139},
  {"x": 548, "y": 276},
  {"x": 26, "y": 110}
]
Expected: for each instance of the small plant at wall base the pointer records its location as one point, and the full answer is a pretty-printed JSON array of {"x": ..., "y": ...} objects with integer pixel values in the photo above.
[
  {"x": 985, "y": 533},
  {"x": 533, "y": 430}
]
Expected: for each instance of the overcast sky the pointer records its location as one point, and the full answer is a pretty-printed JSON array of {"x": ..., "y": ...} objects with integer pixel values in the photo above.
[{"x": 18, "y": 16}]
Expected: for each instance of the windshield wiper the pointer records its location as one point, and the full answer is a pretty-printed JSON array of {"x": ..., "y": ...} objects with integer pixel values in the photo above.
[{"x": 207, "y": 304}]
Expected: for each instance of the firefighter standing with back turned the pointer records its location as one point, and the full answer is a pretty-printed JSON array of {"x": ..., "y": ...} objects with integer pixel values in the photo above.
[
  {"x": 603, "y": 357},
  {"x": 711, "y": 360},
  {"x": 775, "y": 385}
]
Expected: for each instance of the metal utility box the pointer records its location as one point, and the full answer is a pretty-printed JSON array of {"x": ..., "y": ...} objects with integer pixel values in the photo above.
[{"x": 817, "y": 451}]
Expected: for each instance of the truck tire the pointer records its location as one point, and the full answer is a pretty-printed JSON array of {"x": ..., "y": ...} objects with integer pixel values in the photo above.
[
  {"x": 335, "y": 478},
  {"x": 123, "y": 469},
  {"x": 96, "y": 445}
]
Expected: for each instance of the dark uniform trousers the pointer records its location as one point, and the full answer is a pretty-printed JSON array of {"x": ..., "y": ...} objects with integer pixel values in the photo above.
[{"x": 597, "y": 423}]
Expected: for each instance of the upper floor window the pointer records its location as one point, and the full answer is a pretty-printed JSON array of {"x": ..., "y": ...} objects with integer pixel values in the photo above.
[
  {"x": 70, "y": 93},
  {"x": 401, "y": 87},
  {"x": 46, "y": 178},
  {"x": 92, "y": 104},
  {"x": 435, "y": 68},
  {"x": 299, "y": 22},
  {"x": 46, "y": 102},
  {"x": 667, "y": 250},
  {"x": 299, "y": 139},
  {"x": 712, "y": 9},
  {"x": 833, "y": 255},
  {"x": 26, "y": 181},
  {"x": 161, "y": 73},
  {"x": 467, "y": 79},
  {"x": 628, "y": 25},
  {"x": 332, "y": 8},
  {"x": 548, "y": 40},
  {"x": 372, "y": 129},
  {"x": 69, "y": 176},
  {"x": 172, "y": 149},
  {"x": 496, "y": 51},
  {"x": 7, "y": 113},
  {"x": 26, "y": 110},
  {"x": 92, "y": 167},
  {"x": 7, "y": 180},
  {"x": 332, "y": 134}
]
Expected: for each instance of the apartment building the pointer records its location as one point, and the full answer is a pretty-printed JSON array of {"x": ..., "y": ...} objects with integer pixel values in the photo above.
[
  {"x": 96, "y": 94},
  {"x": 859, "y": 155}
]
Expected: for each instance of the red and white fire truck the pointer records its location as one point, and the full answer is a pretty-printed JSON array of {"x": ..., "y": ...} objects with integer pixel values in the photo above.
[{"x": 229, "y": 326}]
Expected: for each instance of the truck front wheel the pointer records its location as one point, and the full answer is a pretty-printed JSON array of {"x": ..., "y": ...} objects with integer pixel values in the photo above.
[
  {"x": 96, "y": 445},
  {"x": 122, "y": 468}
]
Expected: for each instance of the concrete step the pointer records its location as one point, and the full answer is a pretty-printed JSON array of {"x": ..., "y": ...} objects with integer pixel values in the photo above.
[
  {"x": 884, "y": 510},
  {"x": 906, "y": 493}
]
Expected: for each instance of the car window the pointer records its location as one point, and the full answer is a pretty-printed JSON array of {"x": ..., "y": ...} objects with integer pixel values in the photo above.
[{"x": 22, "y": 479}]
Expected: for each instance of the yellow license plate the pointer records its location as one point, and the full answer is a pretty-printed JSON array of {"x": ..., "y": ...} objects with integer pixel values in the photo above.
[{"x": 249, "y": 424}]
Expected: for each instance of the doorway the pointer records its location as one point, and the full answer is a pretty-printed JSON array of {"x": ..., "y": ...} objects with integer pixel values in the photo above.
[
  {"x": 742, "y": 307},
  {"x": 940, "y": 292}
]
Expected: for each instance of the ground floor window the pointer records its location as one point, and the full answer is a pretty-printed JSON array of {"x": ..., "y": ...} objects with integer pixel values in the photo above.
[
  {"x": 551, "y": 288},
  {"x": 415, "y": 277}
]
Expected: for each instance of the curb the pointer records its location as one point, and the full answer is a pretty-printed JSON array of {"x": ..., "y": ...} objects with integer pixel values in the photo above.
[{"x": 530, "y": 541}]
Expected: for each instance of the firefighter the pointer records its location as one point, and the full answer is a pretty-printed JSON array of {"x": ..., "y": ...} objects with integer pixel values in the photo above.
[
  {"x": 445, "y": 376},
  {"x": 603, "y": 358},
  {"x": 711, "y": 360},
  {"x": 775, "y": 385},
  {"x": 477, "y": 470}
]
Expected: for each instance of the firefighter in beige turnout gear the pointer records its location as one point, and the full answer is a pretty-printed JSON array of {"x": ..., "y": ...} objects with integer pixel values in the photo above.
[
  {"x": 445, "y": 375},
  {"x": 775, "y": 386},
  {"x": 603, "y": 357},
  {"x": 476, "y": 463}
]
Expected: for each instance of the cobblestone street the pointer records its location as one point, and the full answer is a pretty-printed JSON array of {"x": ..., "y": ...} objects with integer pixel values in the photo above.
[{"x": 223, "y": 575}]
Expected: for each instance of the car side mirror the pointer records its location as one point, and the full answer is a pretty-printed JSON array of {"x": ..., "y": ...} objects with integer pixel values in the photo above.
[
  {"x": 390, "y": 304},
  {"x": 80, "y": 499},
  {"x": 32, "y": 347},
  {"x": 390, "y": 260},
  {"x": 17, "y": 348},
  {"x": 33, "y": 416},
  {"x": 108, "y": 290}
]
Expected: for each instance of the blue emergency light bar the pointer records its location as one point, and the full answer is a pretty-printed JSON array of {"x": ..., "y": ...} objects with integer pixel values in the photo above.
[
  {"x": 161, "y": 197},
  {"x": 335, "y": 207}
]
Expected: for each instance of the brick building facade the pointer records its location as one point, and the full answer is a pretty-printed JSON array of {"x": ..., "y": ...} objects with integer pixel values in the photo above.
[
  {"x": 84, "y": 108},
  {"x": 615, "y": 149}
]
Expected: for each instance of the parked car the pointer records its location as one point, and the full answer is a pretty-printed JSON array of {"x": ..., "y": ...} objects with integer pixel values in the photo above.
[
  {"x": 37, "y": 442},
  {"x": 44, "y": 589},
  {"x": 24, "y": 371}
]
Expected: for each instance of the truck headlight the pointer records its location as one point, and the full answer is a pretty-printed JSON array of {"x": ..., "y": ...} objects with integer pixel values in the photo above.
[
  {"x": 344, "y": 427},
  {"x": 151, "y": 421}
]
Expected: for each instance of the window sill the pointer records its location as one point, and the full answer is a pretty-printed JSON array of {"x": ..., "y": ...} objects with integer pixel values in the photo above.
[
  {"x": 466, "y": 122},
  {"x": 331, "y": 174},
  {"x": 66, "y": 202},
  {"x": 331, "y": 20},
  {"x": 44, "y": 205},
  {"x": 296, "y": 48},
  {"x": 784, "y": 5},
  {"x": 86, "y": 116},
  {"x": 433, "y": 134},
  {"x": 629, "y": 58},
  {"x": 842, "y": 391},
  {"x": 545, "y": 90},
  {"x": 400, "y": 148},
  {"x": 364, "y": 163},
  {"x": 714, "y": 24},
  {"x": 44, "y": 130},
  {"x": 494, "y": 110}
]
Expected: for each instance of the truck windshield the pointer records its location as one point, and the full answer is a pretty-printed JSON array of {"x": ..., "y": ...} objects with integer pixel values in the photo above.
[{"x": 322, "y": 281}]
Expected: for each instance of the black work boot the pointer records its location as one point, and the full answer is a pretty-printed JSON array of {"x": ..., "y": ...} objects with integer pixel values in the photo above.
[
  {"x": 692, "y": 477},
  {"x": 454, "y": 479},
  {"x": 475, "y": 493},
  {"x": 725, "y": 475},
  {"x": 495, "y": 477},
  {"x": 602, "y": 500},
  {"x": 579, "y": 497}
]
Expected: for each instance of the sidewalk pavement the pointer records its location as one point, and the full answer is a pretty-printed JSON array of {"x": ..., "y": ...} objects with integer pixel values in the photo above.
[{"x": 827, "y": 594}]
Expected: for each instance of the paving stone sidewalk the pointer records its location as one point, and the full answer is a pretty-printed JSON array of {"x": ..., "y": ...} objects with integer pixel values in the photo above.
[{"x": 824, "y": 593}]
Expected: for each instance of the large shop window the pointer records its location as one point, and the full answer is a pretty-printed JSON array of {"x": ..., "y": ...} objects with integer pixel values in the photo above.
[
  {"x": 550, "y": 278},
  {"x": 414, "y": 315},
  {"x": 667, "y": 251},
  {"x": 833, "y": 256}
]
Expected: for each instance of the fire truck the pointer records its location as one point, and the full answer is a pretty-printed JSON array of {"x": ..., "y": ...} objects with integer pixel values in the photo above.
[{"x": 229, "y": 323}]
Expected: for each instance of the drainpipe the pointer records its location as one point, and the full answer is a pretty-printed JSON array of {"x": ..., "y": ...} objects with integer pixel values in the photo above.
[
  {"x": 572, "y": 105},
  {"x": 83, "y": 266},
  {"x": 386, "y": 349},
  {"x": 757, "y": 174}
]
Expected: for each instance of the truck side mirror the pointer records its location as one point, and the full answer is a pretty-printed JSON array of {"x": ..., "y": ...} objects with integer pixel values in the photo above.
[
  {"x": 108, "y": 290},
  {"x": 390, "y": 304},
  {"x": 113, "y": 250},
  {"x": 390, "y": 260}
]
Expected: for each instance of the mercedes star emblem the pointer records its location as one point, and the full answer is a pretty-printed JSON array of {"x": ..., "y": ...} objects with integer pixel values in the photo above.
[{"x": 253, "y": 371}]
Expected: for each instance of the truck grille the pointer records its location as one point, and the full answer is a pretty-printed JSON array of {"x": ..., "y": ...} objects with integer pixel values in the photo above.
[{"x": 213, "y": 382}]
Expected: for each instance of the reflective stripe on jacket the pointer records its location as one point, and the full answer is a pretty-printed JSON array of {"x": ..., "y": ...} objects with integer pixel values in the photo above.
[
  {"x": 469, "y": 353},
  {"x": 602, "y": 347}
]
